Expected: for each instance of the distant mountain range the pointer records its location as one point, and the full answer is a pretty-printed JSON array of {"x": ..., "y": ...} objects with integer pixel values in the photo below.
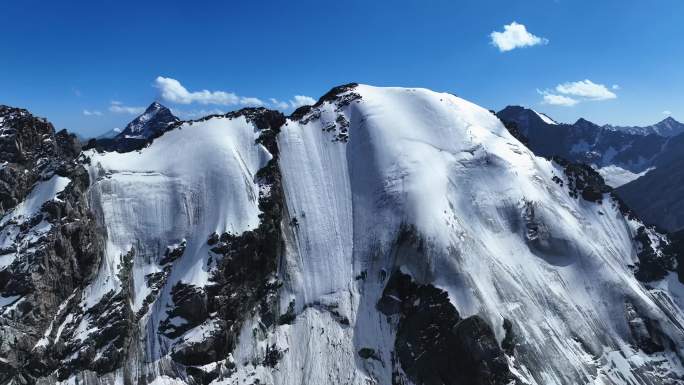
[
  {"x": 644, "y": 164},
  {"x": 667, "y": 127}
]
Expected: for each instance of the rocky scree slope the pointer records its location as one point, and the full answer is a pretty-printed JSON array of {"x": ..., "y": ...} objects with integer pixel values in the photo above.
[{"x": 380, "y": 236}]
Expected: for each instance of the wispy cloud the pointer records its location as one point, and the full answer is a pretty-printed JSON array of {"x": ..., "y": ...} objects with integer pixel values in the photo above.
[
  {"x": 196, "y": 113},
  {"x": 296, "y": 102},
  {"x": 586, "y": 89},
  {"x": 119, "y": 108},
  {"x": 571, "y": 93},
  {"x": 92, "y": 113},
  {"x": 173, "y": 91},
  {"x": 301, "y": 100},
  {"x": 557, "y": 100},
  {"x": 515, "y": 35},
  {"x": 667, "y": 112},
  {"x": 279, "y": 104}
]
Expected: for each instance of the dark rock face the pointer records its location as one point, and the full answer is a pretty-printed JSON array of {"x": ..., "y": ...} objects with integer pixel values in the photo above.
[
  {"x": 29, "y": 150},
  {"x": 583, "y": 181},
  {"x": 646, "y": 333},
  {"x": 653, "y": 264},
  {"x": 59, "y": 261},
  {"x": 434, "y": 345},
  {"x": 675, "y": 250}
]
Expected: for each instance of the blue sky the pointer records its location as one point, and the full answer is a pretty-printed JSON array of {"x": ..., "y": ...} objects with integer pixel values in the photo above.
[{"x": 90, "y": 66}]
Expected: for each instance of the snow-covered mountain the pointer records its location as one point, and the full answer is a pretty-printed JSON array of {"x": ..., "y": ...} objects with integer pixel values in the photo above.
[
  {"x": 155, "y": 121},
  {"x": 380, "y": 236}
]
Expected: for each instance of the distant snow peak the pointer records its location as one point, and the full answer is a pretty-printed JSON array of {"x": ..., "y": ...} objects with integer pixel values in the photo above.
[{"x": 154, "y": 120}]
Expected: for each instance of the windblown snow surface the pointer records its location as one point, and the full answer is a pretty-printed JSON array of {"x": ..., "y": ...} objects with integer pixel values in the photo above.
[{"x": 413, "y": 158}]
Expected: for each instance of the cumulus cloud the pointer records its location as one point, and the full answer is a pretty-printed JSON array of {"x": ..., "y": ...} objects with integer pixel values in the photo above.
[
  {"x": 92, "y": 113},
  {"x": 296, "y": 102},
  {"x": 571, "y": 93},
  {"x": 586, "y": 89},
  {"x": 514, "y": 36},
  {"x": 301, "y": 100},
  {"x": 279, "y": 104},
  {"x": 557, "y": 100},
  {"x": 120, "y": 108},
  {"x": 173, "y": 91}
]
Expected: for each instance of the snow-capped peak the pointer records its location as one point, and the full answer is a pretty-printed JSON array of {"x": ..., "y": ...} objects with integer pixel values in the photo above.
[{"x": 155, "y": 120}]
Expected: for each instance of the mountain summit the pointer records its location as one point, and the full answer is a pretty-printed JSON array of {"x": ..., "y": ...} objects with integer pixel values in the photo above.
[{"x": 155, "y": 120}]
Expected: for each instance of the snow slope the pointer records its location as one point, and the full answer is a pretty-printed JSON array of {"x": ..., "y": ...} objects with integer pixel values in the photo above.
[
  {"x": 193, "y": 181},
  {"x": 449, "y": 168},
  {"x": 496, "y": 232}
]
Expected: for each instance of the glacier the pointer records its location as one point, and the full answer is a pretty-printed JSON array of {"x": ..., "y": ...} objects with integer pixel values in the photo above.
[{"x": 378, "y": 184}]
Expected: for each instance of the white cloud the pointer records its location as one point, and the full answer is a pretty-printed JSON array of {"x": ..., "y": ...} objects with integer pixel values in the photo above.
[
  {"x": 557, "y": 100},
  {"x": 279, "y": 104},
  {"x": 173, "y": 91},
  {"x": 667, "y": 112},
  {"x": 586, "y": 89},
  {"x": 92, "y": 113},
  {"x": 296, "y": 102},
  {"x": 251, "y": 102},
  {"x": 571, "y": 93},
  {"x": 120, "y": 108},
  {"x": 194, "y": 114},
  {"x": 301, "y": 100},
  {"x": 616, "y": 87},
  {"x": 514, "y": 36}
]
